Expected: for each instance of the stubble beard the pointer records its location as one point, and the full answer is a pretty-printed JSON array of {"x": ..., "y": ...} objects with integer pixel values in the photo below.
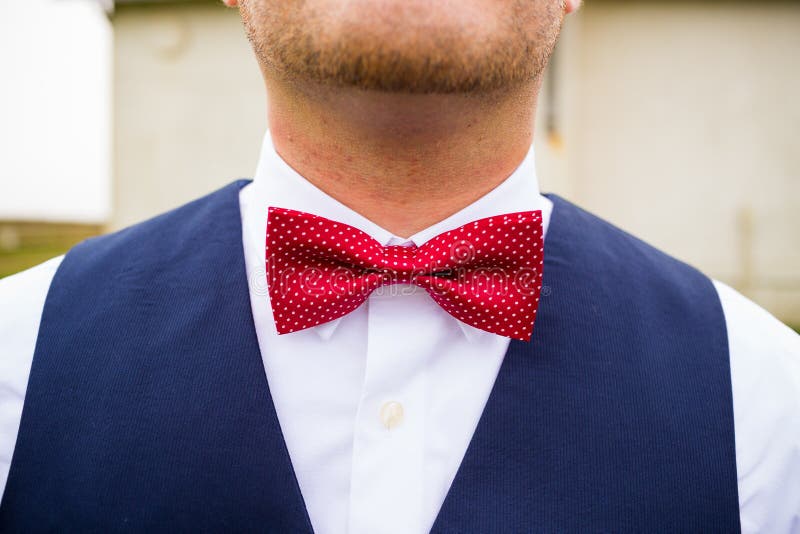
[{"x": 295, "y": 43}]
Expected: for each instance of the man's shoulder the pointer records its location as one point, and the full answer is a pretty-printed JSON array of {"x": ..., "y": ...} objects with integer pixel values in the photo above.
[
  {"x": 22, "y": 298},
  {"x": 765, "y": 375},
  {"x": 764, "y": 354},
  {"x": 181, "y": 226},
  {"x": 765, "y": 351},
  {"x": 142, "y": 246},
  {"x": 632, "y": 277},
  {"x": 24, "y": 290},
  {"x": 765, "y": 357},
  {"x": 755, "y": 325},
  {"x": 158, "y": 244},
  {"x": 586, "y": 238},
  {"x": 751, "y": 329}
]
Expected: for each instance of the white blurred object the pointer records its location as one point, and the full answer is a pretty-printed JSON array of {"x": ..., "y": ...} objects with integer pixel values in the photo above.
[{"x": 55, "y": 111}]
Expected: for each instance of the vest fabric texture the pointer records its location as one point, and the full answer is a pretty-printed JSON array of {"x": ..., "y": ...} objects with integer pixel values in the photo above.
[{"x": 148, "y": 409}]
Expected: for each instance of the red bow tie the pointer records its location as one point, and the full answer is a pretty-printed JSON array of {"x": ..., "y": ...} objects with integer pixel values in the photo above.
[{"x": 487, "y": 273}]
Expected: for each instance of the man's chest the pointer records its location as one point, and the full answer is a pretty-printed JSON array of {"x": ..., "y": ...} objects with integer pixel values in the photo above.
[{"x": 378, "y": 410}]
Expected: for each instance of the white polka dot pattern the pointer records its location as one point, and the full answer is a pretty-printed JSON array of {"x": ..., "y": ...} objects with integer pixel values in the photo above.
[{"x": 487, "y": 273}]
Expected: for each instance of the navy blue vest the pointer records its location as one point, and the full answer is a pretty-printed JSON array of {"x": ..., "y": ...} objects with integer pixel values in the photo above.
[{"x": 148, "y": 409}]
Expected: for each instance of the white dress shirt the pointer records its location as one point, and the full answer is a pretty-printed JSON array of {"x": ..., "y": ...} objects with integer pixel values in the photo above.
[{"x": 377, "y": 408}]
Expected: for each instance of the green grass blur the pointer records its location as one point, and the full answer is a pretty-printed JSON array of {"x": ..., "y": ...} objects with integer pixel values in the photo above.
[{"x": 24, "y": 245}]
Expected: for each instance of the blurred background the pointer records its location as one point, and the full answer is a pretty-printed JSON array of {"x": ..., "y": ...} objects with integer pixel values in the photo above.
[{"x": 677, "y": 120}]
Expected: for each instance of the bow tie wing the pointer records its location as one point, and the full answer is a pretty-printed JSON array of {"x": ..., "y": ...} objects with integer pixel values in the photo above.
[
  {"x": 488, "y": 274},
  {"x": 317, "y": 269}
]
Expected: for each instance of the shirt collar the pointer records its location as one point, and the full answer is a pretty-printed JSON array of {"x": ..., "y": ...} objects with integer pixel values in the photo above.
[{"x": 276, "y": 183}]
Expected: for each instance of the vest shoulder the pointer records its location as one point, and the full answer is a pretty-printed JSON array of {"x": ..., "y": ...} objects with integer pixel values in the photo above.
[
  {"x": 585, "y": 237},
  {"x": 172, "y": 236}
]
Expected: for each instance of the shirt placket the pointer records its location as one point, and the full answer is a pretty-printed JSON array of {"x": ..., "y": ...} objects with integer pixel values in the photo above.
[{"x": 387, "y": 468}]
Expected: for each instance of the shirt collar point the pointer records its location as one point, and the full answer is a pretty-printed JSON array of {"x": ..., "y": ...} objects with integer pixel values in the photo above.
[
  {"x": 471, "y": 333},
  {"x": 325, "y": 330}
]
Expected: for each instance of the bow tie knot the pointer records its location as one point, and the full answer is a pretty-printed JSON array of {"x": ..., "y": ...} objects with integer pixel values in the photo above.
[{"x": 399, "y": 263}]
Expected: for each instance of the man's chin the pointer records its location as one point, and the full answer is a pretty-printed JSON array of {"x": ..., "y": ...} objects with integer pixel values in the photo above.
[
  {"x": 407, "y": 53},
  {"x": 396, "y": 70}
]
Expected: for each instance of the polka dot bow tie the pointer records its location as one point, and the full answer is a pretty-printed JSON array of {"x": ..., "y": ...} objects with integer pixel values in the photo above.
[{"x": 487, "y": 273}]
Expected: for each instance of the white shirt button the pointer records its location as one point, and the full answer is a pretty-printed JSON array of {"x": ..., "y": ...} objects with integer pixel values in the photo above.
[{"x": 391, "y": 414}]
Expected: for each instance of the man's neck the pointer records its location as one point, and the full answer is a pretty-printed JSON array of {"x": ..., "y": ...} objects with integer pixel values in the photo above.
[{"x": 405, "y": 162}]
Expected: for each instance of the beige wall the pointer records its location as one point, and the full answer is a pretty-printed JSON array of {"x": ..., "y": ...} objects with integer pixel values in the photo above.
[
  {"x": 189, "y": 106},
  {"x": 682, "y": 124},
  {"x": 677, "y": 121}
]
